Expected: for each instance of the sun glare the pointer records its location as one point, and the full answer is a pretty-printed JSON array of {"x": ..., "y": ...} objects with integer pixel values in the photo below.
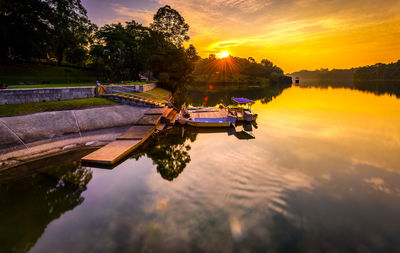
[{"x": 223, "y": 54}]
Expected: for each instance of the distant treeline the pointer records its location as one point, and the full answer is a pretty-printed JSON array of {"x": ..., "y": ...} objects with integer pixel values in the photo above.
[
  {"x": 378, "y": 72},
  {"x": 325, "y": 76},
  {"x": 379, "y": 78},
  {"x": 238, "y": 70}
]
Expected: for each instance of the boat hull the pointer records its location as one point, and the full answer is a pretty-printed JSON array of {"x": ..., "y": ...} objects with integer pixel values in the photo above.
[
  {"x": 209, "y": 122},
  {"x": 205, "y": 124}
]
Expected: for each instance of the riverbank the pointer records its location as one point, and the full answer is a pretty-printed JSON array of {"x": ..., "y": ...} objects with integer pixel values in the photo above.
[{"x": 29, "y": 137}]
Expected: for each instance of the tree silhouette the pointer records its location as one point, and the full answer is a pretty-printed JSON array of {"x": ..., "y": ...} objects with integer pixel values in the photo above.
[{"x": 171, "y": 24}]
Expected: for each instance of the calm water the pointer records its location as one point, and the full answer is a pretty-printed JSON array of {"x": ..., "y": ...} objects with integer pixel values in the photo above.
[{"x": 321, "y": 175}]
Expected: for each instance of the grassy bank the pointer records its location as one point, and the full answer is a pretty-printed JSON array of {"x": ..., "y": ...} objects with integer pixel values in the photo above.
[
  {"x": 21, "y": 109},
  {"x": 42, "y": 73}
]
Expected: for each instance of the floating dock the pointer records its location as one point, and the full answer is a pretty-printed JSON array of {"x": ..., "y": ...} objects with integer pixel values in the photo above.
[{"x": 131, "y": 139}]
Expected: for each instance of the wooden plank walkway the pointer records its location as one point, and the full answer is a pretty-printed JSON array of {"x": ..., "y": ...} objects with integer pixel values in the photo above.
[
  {"x": 112, "y": 152},
  {"x": 160, "y": 126},
  {"x": 131, "y": 139},
  {"x": 156, "y": 111},
  {"x": 137, "y": 133},
  {"x": 149, "y": 120}
]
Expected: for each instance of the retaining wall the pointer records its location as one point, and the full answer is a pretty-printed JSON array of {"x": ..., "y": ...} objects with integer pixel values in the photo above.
[
  {"x": 19, "y": 96},
  {"x": 47, "y": 125},
  {"x": 131, "y": 88}
]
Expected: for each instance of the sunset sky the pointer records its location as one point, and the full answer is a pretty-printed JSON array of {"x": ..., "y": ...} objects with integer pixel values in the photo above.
[{"x": 294, "y": 34}]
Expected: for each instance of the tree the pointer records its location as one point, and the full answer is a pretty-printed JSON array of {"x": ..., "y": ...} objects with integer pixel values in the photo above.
[
  {"x": 24, "y": 25},
  {"x": 171, "y": 24},
  {"x": 191, "y": 53},
  {"x": 126, "y": 50},
  {"x": 37, "y": 29},
  {"x": 71, "y": 27}
]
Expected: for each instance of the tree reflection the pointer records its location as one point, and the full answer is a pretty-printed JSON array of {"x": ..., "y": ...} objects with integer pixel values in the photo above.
[
  {"x": 391, "y": 88},
  {"x": 169, "y": 151},
  {"x": 217, "y": 96},
  {"x": 35, "y": 194}
]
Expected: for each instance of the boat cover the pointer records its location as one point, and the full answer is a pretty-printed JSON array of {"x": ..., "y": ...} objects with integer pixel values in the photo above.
[{"x": 243, "y": 100}]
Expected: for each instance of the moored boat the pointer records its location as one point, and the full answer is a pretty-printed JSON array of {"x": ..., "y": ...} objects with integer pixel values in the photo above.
[
  {"x": 206, "y": 117},
  {"x": 242, "y": 109}
]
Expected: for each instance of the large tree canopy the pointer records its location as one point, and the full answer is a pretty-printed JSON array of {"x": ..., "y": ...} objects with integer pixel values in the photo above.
[
  {"x": 43, "y": 28},
  {"x": 24, "y": 28},
  {"x": 171, "y": 24}
]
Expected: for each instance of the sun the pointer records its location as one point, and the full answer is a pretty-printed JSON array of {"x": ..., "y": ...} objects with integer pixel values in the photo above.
[{"x": 223, "y": 54}]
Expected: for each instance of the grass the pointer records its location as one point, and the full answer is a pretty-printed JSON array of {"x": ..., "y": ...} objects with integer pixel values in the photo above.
[
  {"x": 39, "y": 73},
  {"x": 28, "y": 108}
]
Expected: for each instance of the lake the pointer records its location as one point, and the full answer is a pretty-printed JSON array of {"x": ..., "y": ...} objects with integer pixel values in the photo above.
[{"x": 320, "y": 173}]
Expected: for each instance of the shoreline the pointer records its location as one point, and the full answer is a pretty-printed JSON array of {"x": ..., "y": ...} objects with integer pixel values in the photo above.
[{"x": 36, "y": 136}]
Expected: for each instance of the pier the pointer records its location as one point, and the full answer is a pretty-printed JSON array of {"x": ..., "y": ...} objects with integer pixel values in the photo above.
[{"x": 132, "y": 138}]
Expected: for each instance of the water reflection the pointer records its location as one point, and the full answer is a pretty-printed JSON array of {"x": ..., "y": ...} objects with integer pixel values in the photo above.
[
  {"x": 35, "y": 194},
  {"x": 208, "y": 95},
  {"x": 376, "y": 87},
  {"x": 322, "y": 175},
  {"x": 169, "y": 151}
]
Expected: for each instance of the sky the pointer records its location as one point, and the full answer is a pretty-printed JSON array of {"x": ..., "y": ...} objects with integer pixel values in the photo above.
[{"x": 293, "y": 34}]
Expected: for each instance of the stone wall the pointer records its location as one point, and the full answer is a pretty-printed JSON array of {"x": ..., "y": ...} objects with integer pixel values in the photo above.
[
  {"x": 147, "y": 87},
  {"x": 18, "y": 96},
  {"x": 131, "y": 88}
]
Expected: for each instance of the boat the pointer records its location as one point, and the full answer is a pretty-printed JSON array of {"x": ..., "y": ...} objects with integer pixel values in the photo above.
[
  {"x": 206, "y": 117},
  {"x": 211, "y": 122},
  {"x": 242, "y": 109}
]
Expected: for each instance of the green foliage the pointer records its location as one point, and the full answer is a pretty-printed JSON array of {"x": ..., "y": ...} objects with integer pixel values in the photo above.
[
  {"x": 43, "y": 29},
  {"x": 122, "y": 52},
  {"x": 26, "y": 24},
  {"x": 171, "y": 25},
  {"x": 71, "y": 28},
  {"x": 19, "y": 109}
]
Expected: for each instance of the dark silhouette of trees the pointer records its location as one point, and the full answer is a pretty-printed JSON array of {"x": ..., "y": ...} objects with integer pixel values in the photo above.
[
  {"x": 71, "y": 29},
  {"x": 25, "y": 29},
  {"x": 43, "y": 29},
  {"x": 378, "y": 79},
  {"x": 238, "y": 70},
  {"x": 171, "y": 25}
]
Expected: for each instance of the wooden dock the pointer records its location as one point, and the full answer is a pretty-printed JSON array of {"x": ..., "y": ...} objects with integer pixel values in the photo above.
[
  {"x": 137, "y": 133},
  {"x": 131, "y": 139},
  {"x": 112, "y": 152}
]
